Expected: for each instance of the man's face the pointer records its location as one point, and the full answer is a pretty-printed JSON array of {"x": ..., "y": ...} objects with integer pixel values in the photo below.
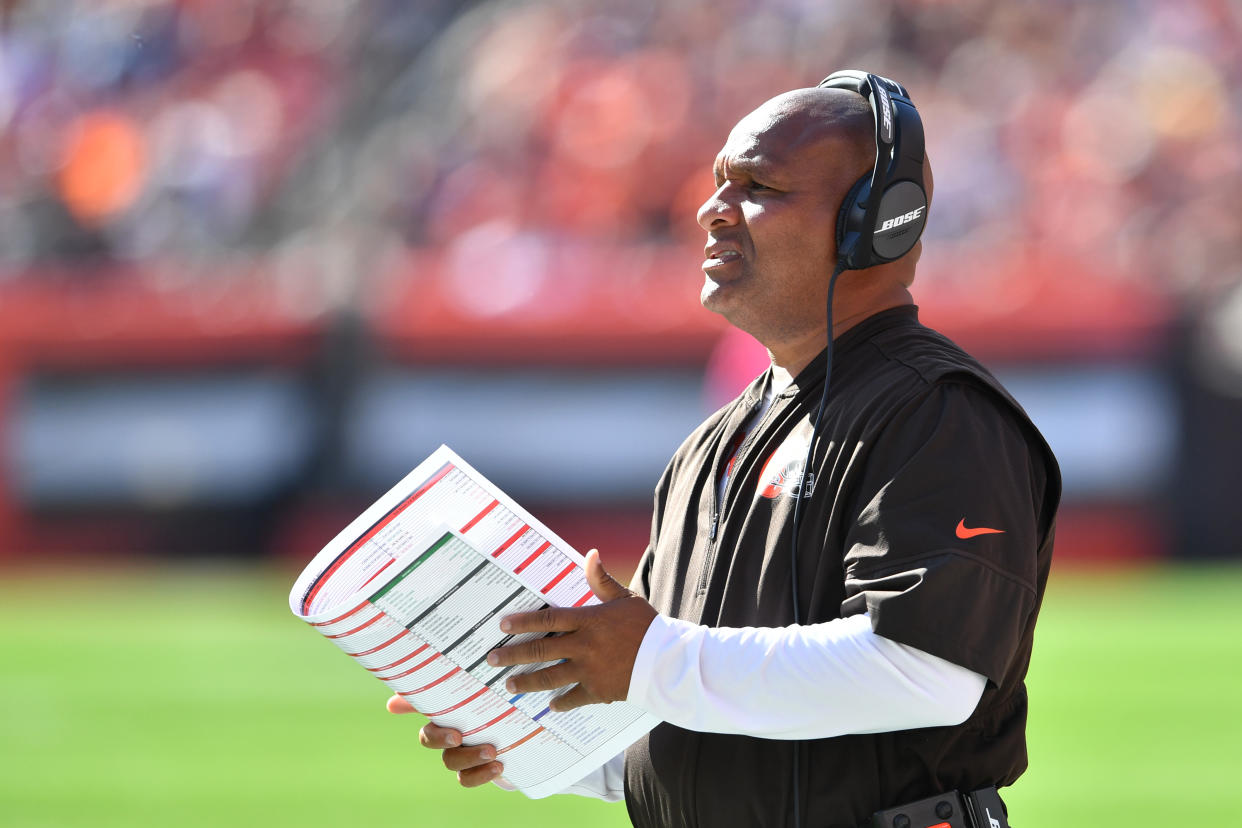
[{"x": 771, "y": 224}]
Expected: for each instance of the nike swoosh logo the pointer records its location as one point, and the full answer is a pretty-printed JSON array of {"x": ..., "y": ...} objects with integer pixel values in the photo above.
[{"x": 966, "y": 534}]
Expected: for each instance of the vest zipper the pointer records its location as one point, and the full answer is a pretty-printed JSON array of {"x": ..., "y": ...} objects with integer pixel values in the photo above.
[{"x": 718, "y": 504}]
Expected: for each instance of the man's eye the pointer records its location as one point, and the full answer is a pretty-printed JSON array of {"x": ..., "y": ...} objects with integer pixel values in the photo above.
[{"x": 755, "y": 185}]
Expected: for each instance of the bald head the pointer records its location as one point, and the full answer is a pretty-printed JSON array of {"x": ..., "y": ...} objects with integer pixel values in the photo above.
[
  {"x": 833, "y": 124},
  {"x": 817, "y": 112}
]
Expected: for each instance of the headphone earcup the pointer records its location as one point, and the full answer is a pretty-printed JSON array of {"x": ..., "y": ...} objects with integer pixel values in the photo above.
[{"x": 849, "y": 207}]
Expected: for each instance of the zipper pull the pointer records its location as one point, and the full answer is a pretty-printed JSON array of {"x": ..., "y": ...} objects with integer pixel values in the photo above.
[{"x": 712, "y": 535}]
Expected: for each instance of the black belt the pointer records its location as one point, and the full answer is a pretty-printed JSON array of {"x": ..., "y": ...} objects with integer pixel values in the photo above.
[{"x": 978, "y": 809}]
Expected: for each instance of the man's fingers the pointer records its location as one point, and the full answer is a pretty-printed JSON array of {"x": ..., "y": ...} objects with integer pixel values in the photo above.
[
  {"x": 549, "y": 678},
  {"x": 552, "y": 648},
  {"x": 468, "y": 757},
  {"x": 549, "y": 619},
  {"x": 475, "y": 764},
  {"x": 574, "y": 697},
  {"x": 605, "y": 587},
  {"x": 397, "y": 704},
  {"x": 474, "y": 777},
  {"x": 439, "y": 738},
  {"x": 553, "y": 619}
]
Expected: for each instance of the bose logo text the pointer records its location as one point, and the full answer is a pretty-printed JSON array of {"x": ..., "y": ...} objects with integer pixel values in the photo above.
[
  {"x": 905, "y": 218},
  {"x": 886, "y": 115}
]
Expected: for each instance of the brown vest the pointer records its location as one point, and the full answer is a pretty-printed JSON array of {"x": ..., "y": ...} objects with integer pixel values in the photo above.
[{"x": 916, "y": 437}]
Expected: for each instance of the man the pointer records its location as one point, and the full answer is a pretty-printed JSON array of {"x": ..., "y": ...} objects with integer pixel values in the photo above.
[{"x": 921, "y": 558}]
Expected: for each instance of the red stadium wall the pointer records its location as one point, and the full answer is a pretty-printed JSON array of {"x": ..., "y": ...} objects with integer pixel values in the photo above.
[{"x": 115, "y": 324}]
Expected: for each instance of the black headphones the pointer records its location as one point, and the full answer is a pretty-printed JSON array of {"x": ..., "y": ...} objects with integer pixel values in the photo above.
[{"x": 872, "y": 231}]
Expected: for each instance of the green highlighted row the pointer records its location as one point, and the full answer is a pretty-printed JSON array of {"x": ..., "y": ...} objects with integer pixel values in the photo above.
[{"x": 386, "y": 588}]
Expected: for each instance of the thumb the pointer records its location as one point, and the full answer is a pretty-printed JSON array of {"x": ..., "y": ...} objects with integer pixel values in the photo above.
[
  {"x": 605, "y": 587},
  {"x": 398, "y": 704}
]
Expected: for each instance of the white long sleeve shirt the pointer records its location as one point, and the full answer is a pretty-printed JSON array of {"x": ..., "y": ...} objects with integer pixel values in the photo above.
[{"x": 797, "y": 682}]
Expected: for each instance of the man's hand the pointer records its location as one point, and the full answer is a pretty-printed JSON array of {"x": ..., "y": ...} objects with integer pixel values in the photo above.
[
  {"x": 473, "y": 763},
  {"x": 596, "y": 648}
]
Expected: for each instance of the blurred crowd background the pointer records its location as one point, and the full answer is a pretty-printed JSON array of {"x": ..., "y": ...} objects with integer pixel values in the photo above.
[{"x": 259, "y": 257}]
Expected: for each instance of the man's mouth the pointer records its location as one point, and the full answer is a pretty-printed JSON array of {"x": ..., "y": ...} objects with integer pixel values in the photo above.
[{"x": 719, "y": 258}]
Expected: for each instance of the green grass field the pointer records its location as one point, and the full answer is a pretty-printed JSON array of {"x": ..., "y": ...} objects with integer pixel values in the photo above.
[{"x": 194, "y": 698}]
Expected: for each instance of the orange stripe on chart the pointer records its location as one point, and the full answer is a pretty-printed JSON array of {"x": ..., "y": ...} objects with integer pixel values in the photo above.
[
  {"x": 479, "y": 516},
  {"x": 524, "y": 739},
  {"x": 414, "y": 669},
  {"x": 584, "y": 599},
  {"x": 533, "y": 556},
  {"x": 378, "y": 648},
  {"x": 444, "y": 677},
  {"x": 340, "y": 617},
  {"x": 462, "y": 703},
  {"x": 508, "y": 712},
  {"x": 512, "y": 540},
  {"x": 362, "y": 626},
  {"x": 387, "y": 519},
  {"x": 399, "y": 661},
  {"x": 558, "y": 578}
]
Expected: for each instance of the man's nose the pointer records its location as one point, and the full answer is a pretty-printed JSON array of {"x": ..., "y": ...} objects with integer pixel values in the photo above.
[{"x": 718, "y": 210}]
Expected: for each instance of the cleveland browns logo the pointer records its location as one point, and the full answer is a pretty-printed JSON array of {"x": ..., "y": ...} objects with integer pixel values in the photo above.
[{"x": 782, "y": 473}]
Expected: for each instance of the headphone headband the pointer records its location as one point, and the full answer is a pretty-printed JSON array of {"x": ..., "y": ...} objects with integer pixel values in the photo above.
[{"x": 875, "y": 230}]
